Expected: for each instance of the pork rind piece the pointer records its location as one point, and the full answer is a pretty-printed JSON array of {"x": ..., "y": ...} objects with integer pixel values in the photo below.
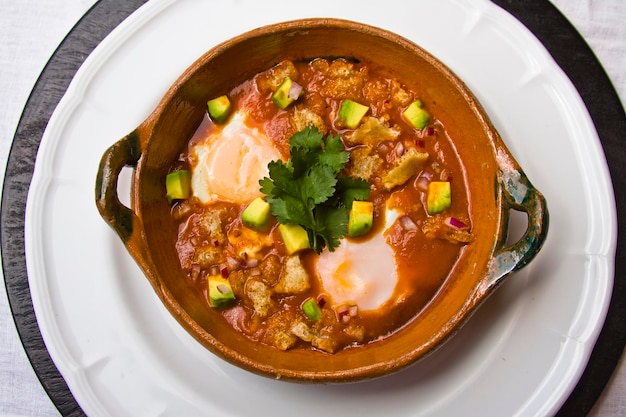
[
  {"x": 437, "y": 228},
  {"x": 293, "y": 278},
  {"x": 260, "y": 295},
  {"x": 371, "y": 132},
  {"x": 272, "y": 78},
  {"x": 409, "y": 164}
]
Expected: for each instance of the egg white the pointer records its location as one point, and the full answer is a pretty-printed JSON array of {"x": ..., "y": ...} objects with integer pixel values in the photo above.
[
  {"x": 231, "y": 161},
  {"x": 363, "y": 273}
]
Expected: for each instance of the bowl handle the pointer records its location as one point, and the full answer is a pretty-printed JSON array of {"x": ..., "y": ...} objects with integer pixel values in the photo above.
[
  {"x": 517, "y": 193},
  {"x": 125, "y": 152}
]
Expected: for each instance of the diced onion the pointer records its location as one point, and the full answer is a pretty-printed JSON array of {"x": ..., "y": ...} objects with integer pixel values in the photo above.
[
  {"x": 455, "y": 223},
  {"x": 294, "y": 91},
  {"x": 223, "y": 289},
  {"x": 195, "y": 271},
  {"x": 407, "y": 223},
  {"x": 423, "y": 180},
  {"x": 321, "y": 300},
  {"x": 400, "y": 149},
  {"x": 232, "y": 263}
]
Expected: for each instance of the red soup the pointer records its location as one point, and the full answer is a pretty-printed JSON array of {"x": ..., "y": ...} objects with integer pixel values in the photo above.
[{"x": 320, "y": 205}]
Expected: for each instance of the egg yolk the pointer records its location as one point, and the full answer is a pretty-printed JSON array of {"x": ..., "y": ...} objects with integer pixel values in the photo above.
[
  {"x": 362, "y": 273},
  {"x": 231, "y": 161}
]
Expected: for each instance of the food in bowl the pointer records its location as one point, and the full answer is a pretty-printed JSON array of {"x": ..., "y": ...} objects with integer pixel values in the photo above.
[
  {"x": 485, "y": 184},
  {"x": 350, "y": 160}
]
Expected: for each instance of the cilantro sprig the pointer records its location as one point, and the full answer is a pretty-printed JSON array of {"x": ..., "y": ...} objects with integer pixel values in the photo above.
[{"x": 311, "y": 190}]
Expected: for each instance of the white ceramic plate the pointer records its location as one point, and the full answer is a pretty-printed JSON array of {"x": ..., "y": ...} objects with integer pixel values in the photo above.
[{"x": 123, "y": 355}]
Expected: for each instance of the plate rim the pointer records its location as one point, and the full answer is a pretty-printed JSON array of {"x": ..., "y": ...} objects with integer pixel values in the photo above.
[{"x": 32, "y": 124}]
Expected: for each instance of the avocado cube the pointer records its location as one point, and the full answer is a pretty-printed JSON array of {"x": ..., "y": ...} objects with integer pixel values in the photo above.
[
  {"x": 219, "y": 109},
  {"x": 221, "y": 293},
  {"x": 439, "y": 197},
  {"x": 360, "y": 218},
  {"x": 416, "y": 115},
  {"x": 258, "y": 215},
  {"x": 295, "y": 237},
  {"x": 312, "y": 310},
  {"x": 351, "y": 113},
  {"x": 178, "y": 185},
  {"x": 281, "y": 96}
]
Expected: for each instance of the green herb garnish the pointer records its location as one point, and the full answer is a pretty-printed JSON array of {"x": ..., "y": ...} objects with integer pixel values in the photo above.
[{"x": 310, "y": 189}]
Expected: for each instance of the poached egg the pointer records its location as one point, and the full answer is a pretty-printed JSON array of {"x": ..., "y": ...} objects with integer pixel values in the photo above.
[
  {"x": 363, "y": 273},
  {"x": 231, "y": 161}
]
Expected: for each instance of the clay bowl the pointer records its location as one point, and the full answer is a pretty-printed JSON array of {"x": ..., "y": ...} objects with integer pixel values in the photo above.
[{"x": 497, "y": 185}]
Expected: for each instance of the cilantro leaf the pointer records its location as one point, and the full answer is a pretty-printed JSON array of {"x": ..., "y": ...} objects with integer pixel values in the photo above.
[
  {"x": 334, "y": 156},
  {"x": 310, "y": 190},
  {"x": 350, "y": 189}
]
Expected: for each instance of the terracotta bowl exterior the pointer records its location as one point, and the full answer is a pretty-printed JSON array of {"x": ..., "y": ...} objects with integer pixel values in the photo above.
[{"x": 497, "y": 185}]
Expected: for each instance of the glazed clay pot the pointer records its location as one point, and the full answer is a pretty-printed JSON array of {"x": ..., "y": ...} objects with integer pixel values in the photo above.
[{"x": 496, "y": 184}]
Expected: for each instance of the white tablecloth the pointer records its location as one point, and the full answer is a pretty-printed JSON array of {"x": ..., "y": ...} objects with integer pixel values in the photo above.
[{"x": 30, "y": 31}]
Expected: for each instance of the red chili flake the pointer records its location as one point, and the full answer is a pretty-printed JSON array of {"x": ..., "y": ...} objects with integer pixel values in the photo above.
[
  {"x": 224, "y": 272},
  {"x": 430, "y": 131},
  {"x": 420, "y": 144}
]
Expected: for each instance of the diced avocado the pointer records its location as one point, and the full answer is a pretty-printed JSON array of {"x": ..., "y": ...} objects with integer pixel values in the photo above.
[
  {"x": 281, "y": 96},
  {"x": 178, "y": 185},
  {"x": 439, "y": 196},
  {"x": 416, "y": 115},
  {"x": 312, "y": 310},
  {"x": 220, "y": 292},
  {"x": 219, "y": 109},
  {"x": 361, "y": 218},
  {"x": 351, "y": 113},
  {"x": 258, "y": 215},
  {"x": 294, "y": 237}
]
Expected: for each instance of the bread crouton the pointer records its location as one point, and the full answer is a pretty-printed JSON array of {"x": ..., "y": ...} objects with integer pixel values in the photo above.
[
  {"x": 278, "y": 331},
  {"x": 207, "y": 256},
  {"x": 303, "y": 331},
  {"x": 260, "y": 295},
  {"x": 211, "y": 224},
  {"x": 304, "y": 117},
  {"x": 324, "y": 342},
  {"x": 283, "y": 340},
  {"x": 293, "y": 277},
  {"x": 362, "y": 164},
  {"x": 409, "y": 164}
]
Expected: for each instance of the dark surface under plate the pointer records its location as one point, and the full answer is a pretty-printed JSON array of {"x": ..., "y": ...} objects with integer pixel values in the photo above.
[{"x": 564, "y": 43}]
